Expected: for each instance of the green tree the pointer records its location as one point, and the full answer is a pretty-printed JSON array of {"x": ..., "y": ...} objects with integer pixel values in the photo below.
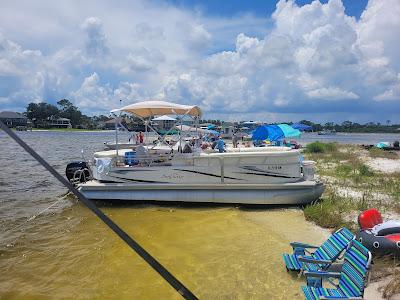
[
  {"x": 39, "y": 113},
  {"x": 69, "y": 111}
]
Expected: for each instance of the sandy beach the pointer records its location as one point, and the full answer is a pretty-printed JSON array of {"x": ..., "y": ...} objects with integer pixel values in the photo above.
[{"x": 358, "y": 179}]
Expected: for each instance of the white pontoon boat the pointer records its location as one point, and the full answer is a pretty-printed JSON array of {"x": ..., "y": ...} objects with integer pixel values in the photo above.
[{"x": 270, "y": 175}]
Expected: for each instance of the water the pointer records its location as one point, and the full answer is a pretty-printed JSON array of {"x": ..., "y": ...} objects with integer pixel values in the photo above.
[{"x": 217, "y": 252}]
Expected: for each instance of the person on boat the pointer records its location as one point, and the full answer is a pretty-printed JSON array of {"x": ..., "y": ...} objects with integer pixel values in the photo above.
[
  {"x": 220, "y": 145},
  {"x": 187, "y": 148},
  {"x": 133, "y": 137},
  {"x": 192, "y": 142},
  {"x": 141, "y": 137},
  {"x": 137, "y": 139},
  {"x": 199, "y": 141}
]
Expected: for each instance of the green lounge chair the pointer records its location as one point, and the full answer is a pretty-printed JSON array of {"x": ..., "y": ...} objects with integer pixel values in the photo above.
[
  {"x": 322, "y": 257},
  {"x": 352, "y": 278}
]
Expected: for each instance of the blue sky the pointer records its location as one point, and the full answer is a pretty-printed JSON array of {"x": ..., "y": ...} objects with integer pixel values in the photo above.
[
  {"x": 261, "y": 60},
  {"x": 261, "y": 8}
]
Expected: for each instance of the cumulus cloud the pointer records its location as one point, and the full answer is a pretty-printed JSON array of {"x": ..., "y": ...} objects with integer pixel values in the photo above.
[
  {"x": 96, "y": 43},
  {"x": 331, "y": 93},
  {"x": 311, "y": 59},
  {"x": 97, "y": 97},
  {"x": 315, "y": 54}
]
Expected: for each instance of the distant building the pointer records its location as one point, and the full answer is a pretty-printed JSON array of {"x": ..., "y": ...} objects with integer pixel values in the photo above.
[
  {"x": 59, "y": 123},
  {"x": 110, "y": 124},
  {"x": 164, "y": 122},
  {"x": 13, "y": 119}
]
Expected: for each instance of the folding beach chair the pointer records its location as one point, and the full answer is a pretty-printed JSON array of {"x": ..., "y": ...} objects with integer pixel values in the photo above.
[
  {"x": 352, "y": 278},
  {"x": 323, "y": 256}
]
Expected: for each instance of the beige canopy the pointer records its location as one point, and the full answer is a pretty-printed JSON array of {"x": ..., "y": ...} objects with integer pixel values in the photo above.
[{"x": 157, "y": 108}]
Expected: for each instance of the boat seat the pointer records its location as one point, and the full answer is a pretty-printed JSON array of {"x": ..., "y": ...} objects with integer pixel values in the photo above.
[{"x": 143, "y": 155}]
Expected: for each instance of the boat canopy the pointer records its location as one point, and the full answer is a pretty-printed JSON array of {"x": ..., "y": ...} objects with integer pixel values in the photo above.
[
  {"x": 274, "y": 132},
  {"x": 157, "y": 108}
]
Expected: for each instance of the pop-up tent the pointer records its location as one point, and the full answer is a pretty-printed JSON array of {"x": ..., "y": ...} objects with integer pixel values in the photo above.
[
  {"x": 301, "y": 127},
  {"x": 274, "y": 132}
]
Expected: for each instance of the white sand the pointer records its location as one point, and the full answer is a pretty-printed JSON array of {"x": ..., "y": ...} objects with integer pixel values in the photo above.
[
  {"x": 384, "y": 165},
  {"x": 372, "y": 290}
]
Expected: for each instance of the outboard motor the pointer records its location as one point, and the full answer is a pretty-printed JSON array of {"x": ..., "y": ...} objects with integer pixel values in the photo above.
[{"x": 77, "y": 172}]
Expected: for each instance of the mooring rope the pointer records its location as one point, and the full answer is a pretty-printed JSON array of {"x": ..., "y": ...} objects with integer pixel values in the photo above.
[
  {"x": 34, "y": 216},
  {"x": 173, "y": 281}
]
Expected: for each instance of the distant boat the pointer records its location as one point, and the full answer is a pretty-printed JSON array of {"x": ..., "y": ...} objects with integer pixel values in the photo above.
[{"x": 327, "y": 132}]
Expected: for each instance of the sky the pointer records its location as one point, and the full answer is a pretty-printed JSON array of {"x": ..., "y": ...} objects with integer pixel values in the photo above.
[{"x": 261, "y": 60}]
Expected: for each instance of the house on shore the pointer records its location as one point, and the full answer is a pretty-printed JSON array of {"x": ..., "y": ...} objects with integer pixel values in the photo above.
[
  {"x": 13, "y": 119},
  {"x": 59, "y": 123}
]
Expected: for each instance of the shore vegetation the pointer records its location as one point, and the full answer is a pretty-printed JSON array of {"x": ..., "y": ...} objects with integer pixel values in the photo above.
[{"x": 355, "y": 183}]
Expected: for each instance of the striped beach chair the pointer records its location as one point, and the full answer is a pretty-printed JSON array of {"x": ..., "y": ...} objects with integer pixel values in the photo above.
[
  {"x": 303, "y": 258},
  {"x": 352, "y": 278}
]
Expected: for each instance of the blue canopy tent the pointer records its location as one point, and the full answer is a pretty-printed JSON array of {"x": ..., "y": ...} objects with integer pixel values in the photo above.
[
  {"x": 271, "y": 132},
  {"x": 289, "y": 131},
  {"x": 302, "y": 127},
  {"x": 274, "y": 132}
]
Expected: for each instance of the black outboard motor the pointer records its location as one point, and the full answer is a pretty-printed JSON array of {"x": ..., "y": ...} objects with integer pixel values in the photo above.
[{"x": 77, "y": 171}]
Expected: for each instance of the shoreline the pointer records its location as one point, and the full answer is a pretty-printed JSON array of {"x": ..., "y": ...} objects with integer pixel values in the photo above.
[{"x": 357, "y": 179}]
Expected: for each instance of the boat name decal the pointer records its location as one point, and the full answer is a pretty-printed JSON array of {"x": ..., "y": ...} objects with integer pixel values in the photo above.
[{"x": 173, "y": 176}]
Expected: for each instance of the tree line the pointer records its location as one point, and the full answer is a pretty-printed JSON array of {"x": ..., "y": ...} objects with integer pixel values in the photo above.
[
  {"x": 41, "y": 114},
  {"x": 348, "y": 126}
]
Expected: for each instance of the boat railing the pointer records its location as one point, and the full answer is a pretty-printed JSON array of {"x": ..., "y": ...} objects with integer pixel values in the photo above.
[{"x": 81, "y": 176}]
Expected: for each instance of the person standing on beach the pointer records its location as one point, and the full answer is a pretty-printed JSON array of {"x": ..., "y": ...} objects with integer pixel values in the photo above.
[{"x": 235, "y": 140}]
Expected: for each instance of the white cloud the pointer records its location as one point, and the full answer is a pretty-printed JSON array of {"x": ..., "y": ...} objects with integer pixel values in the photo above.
[
  {"x": 331, "y": 93},
  {"x": 96, "y": 43},
  {"x": 308, "y": 58},
  {"x": 391, "y": 94}
]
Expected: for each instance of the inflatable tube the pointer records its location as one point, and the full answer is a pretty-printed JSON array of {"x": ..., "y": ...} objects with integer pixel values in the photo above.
[
  {"x": 385, "y": 228},
  {"x": 380, "y": 245},
  {"x": 382, "y": 238}
]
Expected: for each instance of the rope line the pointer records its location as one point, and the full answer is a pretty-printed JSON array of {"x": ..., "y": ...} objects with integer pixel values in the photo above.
[
  {"x": 160, "y": 269},
  {"x": 34, "y": 216}
]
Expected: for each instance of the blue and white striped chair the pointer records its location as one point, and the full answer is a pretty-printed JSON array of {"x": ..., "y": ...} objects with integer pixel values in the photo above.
[
  {"x": 324, "y": 255},
  {"x": 352, "y": 278}
]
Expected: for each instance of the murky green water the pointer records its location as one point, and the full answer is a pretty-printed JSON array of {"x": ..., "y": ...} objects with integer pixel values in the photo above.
[{"x": 217, "y": 252}]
